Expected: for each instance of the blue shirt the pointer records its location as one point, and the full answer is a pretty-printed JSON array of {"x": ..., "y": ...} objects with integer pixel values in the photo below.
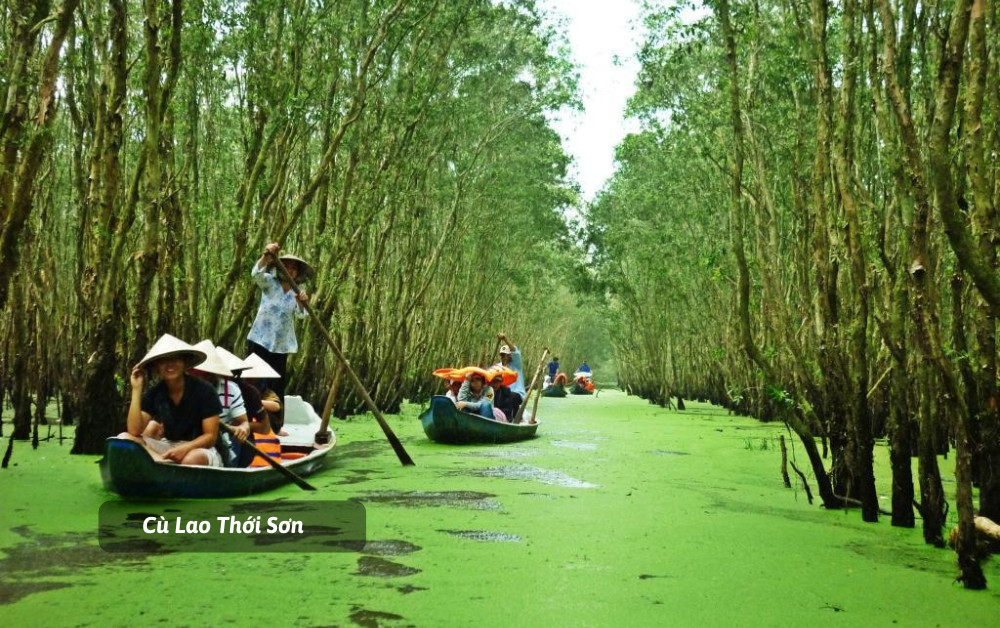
[
  {"x": 553, "y": 367},
  {"x": 274, "y": 327},
  {"x": 516, "y": 365},
  {"x": 583, "y": 369}
]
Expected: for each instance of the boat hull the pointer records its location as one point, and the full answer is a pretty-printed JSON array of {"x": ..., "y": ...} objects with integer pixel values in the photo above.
[
  {"x": 555, "y": 390},
  {"x": 580, "y": 390},
  {"x": 444, "y": 423},
  {"x": 129, "y": 470}
]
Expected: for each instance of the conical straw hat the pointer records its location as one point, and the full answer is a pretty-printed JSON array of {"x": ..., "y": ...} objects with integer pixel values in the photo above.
[
  {"x": 259, "y": 369},
  {"x": 213, "y": 363},
  {"x": 306, "y": 271},
  {"x": 232, "y": 361},
  {"x": 170, "y": 346}
]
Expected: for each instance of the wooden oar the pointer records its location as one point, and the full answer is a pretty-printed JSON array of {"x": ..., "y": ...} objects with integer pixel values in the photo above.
[
  {"x": 323, "y": 434},
  {"x": 285, "y": 471},
  {"x": 524, "y": 404},
  {"x": 396, "y": 445}
]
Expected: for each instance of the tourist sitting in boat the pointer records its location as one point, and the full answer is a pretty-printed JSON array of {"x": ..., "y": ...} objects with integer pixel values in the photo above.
[
  {"x": 547, "y": 381},
  {"x": 475, "y": 396},
  {"x": 234, "y": 414},
  {"x": 177, "y": 420},
  {"x": 504, "y": 399},
  {"x": 259, "y": 375},
  {"x": 454, "y": 385},
  {"x": 584, "y": 381},
  {"x": 261, "y": 434},
  {"x": 510, "y": 358}
]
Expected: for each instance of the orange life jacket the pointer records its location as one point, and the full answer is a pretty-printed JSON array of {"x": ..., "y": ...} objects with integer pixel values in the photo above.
[{"x": 270, "y": 445}]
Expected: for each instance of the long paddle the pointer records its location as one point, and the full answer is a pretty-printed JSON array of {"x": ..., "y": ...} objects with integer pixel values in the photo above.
[
  {"x": 285, "y": 471},
  {"x": 524, "y": 404},
  {"x": 396, "y": 445}
]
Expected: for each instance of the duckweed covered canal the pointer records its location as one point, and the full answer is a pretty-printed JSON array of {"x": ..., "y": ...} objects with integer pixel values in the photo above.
[{"x": 620, "y": 513}]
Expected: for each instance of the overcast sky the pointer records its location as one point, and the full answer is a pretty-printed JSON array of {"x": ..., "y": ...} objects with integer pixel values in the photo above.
[{"x": 598, "y": 31}]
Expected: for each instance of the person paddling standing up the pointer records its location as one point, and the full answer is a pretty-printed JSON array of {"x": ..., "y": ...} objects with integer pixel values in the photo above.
[
  {"x": 553, "y": 367},
  {"x": 272, "y": 336},
  {"x": 510, "y": 358}
]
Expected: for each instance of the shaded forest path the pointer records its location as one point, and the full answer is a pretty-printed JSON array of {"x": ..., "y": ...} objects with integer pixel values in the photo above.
[{"x": 621, "y": 513}]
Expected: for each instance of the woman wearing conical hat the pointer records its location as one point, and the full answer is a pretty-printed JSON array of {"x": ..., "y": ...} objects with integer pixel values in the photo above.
[
  {"x": 178, "y": 418},
  {"x": 272, "y": 336}
]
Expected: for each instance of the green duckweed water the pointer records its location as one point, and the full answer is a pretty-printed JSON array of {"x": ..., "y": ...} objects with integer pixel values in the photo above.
[{"x": 620, "y": 513}]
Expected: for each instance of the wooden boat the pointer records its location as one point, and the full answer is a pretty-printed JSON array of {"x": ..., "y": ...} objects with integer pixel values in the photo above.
[
  {"x": 577, "y": 389},
  {"x": 444, "y": 423},
  {"x": 555, "y": 390},
  {"x": 129, "y": 470}
]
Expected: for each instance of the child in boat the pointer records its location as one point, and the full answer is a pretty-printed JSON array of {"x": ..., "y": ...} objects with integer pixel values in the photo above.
[
  {"x": 177, "y": 420},
  {"x": 264, "y": 435},
  {"x": 234, "y": 414},
  {"x": 475, "y": 396},
  {"x": 504, "y": 399},
  {"x": 453, "y": 387}
]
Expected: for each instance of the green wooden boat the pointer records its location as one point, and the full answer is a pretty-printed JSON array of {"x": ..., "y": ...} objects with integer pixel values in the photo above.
[
  {"x": 555, "y": 390},
  {"x": 129, "y": 470},
  {"x": 576, "y": 389},
  {"x": 444, "y": 423}
]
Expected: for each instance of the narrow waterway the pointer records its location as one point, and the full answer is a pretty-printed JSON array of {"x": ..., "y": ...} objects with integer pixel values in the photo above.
[{"x": 619, "y": 513}]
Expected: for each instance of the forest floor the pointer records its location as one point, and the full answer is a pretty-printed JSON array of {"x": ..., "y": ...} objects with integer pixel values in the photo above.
[{"x": 619, "y": 513}]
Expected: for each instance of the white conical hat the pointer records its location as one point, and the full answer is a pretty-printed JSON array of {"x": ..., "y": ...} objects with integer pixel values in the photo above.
[
  {"x": 232, "y": 361},
  {"x": 259, "y": 369},
  {"x": 213, "y": 363},
  {"x": 169, "y": 346}
]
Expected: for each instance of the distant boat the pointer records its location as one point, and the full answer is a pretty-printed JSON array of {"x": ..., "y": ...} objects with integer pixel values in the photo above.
[
  {"x": 555, "y": 390},
  {"x": 444, "y": 423},
  {"x": 577, "y": 389}
]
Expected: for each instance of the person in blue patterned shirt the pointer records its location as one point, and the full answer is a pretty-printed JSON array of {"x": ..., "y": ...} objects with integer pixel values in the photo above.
[{"x": 272, "y": 336}]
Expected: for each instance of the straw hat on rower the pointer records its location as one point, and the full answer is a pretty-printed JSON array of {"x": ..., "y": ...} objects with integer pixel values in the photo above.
[
  {"x": 213, "y": 363},
  {"x": 259, "y": 369},
  {"x": 306, "y": 271},
  {"x": 169, "y": 347}
]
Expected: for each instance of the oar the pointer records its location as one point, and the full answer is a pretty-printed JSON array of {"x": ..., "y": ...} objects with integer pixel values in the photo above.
[
  {"x": 396, "y": 445},
  {"x": 323, "y": 434},
  {"x": 285, "y": 471},
  {"x": 524, "y": 404}
]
